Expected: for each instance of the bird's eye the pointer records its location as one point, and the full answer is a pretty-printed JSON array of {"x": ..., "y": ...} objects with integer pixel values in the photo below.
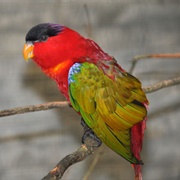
[{"x": 44, "y": 37}]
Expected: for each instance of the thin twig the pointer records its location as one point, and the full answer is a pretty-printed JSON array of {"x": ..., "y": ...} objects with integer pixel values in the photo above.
[
  {"x": 94, "y": 163},
  {"x": 89, "y": 27},
  {"x": 32, "y": 108},
  {"x": 162, "y": 84},
  {"x": 140, "y": 57}
]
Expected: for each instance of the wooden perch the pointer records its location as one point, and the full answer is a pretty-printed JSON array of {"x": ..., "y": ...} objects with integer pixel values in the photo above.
[{"x": 82, "y": 153}]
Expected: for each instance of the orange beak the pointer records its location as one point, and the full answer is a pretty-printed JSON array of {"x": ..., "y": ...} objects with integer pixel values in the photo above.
[{"x": 28, "y": 51}]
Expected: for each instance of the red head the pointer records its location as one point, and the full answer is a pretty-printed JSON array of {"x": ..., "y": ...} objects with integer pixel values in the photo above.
[
  {"x": 53, "y": 45},
  {"x": 55, "y": 48}
]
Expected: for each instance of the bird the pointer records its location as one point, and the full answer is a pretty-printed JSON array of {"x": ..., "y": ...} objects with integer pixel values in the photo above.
[{"x": 110, "y": 100}]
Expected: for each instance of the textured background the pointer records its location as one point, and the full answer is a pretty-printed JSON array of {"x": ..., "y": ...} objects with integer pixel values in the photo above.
[{"x": 32, "y": 144}]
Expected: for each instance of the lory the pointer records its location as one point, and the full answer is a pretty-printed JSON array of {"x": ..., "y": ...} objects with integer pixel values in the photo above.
[{"x": 109, "y": 99}]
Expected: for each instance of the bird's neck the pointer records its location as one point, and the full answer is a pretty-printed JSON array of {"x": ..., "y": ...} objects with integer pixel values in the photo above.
[{"x": 59, "y": 73}]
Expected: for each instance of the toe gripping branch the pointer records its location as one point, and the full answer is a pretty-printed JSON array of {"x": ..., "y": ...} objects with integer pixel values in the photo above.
[{"x": 88, "y": 133}]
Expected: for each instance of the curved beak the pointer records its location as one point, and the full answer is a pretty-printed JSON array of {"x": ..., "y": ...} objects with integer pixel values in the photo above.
[{"x": 28, "y": 51}]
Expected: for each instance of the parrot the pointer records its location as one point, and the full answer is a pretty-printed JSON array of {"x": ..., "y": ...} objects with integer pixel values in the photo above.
[{"x": 110, "y": 100}]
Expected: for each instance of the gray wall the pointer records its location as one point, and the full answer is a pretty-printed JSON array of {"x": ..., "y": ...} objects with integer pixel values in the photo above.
[{"x": 31, "y": 144}]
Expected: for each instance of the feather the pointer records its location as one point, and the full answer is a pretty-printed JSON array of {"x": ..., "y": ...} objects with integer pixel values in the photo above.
[{"x": 109, "y": 107}]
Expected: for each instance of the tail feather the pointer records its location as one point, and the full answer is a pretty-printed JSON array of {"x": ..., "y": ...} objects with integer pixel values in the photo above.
[
  {"x": 138, "y": 173},
  {"x": 137, "y": 134}
]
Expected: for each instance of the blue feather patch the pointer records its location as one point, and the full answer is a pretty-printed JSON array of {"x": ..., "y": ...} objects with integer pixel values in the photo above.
[{"x": 73, "y": 70}]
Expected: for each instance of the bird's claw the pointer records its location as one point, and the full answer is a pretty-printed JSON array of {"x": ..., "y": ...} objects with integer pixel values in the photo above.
[{"x": 88, "y": 133}]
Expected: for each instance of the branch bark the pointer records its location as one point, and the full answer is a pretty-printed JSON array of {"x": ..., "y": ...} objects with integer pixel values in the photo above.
[
  {"x": 148, "y": 56},
  {"x": 52, "y": 105},
  {"x": 82, "y": 153},
  {"x": 162, "y": 84},
  {"x": 33, "y": 108}
]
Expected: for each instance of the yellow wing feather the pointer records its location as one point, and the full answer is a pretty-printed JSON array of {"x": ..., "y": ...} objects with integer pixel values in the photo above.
[{"x": 110, "y": 107}]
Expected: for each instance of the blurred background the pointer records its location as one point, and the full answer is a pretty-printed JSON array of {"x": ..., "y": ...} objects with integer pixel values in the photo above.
[{"x": 31, "y": 144}]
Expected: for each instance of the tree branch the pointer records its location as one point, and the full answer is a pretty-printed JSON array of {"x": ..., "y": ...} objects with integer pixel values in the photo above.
[
  {"x": 82, "y": 153},
  {"x": 52, "y": 105},
  {"x": 162, "y": 84},
  {"x": 140, "y": 57},
  {"x": 33, "y": 108}
]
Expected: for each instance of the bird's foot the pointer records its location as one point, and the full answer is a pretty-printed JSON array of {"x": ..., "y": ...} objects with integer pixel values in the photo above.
[{"x": 88, "y": 133}]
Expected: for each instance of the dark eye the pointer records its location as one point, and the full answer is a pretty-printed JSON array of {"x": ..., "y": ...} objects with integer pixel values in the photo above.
[{"x": 44, "y": 37}]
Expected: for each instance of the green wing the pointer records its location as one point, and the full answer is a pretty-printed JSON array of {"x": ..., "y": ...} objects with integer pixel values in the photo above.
[{"x": 110, "y": 107}]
